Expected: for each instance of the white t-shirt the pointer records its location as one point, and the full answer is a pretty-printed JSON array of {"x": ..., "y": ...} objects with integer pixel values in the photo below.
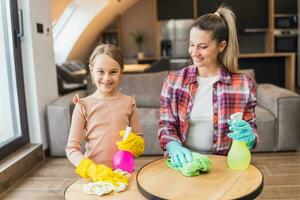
[{"x": 200, "y": 132}]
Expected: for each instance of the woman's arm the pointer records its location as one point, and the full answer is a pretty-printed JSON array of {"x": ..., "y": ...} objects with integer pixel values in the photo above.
[
  {"x": 249, "y": 113},
  {"x": 167, "y": 124}
]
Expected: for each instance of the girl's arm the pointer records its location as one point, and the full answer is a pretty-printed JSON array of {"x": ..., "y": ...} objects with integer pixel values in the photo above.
[
  {"x": 134, "y": 119},
  {"x": 73, "y": 148}
]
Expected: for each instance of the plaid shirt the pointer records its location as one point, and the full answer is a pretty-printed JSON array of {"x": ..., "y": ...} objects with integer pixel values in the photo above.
[{"x": 233, "y": 92}]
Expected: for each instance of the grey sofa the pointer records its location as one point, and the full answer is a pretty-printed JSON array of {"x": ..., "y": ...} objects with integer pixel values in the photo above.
[{"x": 278, "y": 118}]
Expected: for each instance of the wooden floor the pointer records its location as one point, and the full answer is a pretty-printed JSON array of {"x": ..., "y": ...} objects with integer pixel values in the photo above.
[{"x": 49, "y": 180}]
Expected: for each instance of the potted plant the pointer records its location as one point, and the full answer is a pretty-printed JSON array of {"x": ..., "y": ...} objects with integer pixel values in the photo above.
[{"x": 139, "y": 39}]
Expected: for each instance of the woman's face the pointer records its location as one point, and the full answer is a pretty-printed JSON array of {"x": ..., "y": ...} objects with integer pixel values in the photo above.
[
  {"x": 106, "y": 73},
  {"x": 203, "y": 50}
]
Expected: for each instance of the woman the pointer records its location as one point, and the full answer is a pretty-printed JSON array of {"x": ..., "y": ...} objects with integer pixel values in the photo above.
[{"x": 197, "y": 101}]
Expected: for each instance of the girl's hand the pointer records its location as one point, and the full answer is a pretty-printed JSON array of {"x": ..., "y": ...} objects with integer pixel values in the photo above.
[{"x": 133, "y": 143}]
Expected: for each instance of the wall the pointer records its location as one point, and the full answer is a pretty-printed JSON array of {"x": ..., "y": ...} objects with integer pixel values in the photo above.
[
  {"x": 68, "y": 30},
  {"x": 57, "y": 8},
  {"x": 39, "y": 68},
  {"x": 88, "y": 38},
  {"x": 141, "y": 16}
]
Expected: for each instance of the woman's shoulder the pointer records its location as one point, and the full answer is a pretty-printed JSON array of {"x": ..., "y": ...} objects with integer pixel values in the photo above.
[
  {"x": 182, "y": 73},
  {"x": 242, "y": 78},
  {"x": 185, "y": 70}
]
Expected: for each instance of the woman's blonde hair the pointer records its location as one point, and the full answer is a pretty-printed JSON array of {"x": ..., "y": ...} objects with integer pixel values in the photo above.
[
  {"x": 222, "y": 26},
  {"x": 109, "y": 50}
]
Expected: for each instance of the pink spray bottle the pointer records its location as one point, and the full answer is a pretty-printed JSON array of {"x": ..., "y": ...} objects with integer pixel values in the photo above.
[{"x": 124, "y": 160}]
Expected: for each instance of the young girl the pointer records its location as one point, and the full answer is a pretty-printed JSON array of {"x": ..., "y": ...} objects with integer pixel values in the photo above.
[{"x": 103, "y": 114}]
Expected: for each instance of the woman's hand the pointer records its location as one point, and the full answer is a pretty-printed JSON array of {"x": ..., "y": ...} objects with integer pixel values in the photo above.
[
  {"x": 179, "y": 154},
  {"x": 241, "y": 131}
]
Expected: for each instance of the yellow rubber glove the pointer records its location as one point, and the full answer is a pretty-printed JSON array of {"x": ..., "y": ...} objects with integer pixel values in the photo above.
[
  {"x": 88, "y": 169},
  {"x": 133, "y": 143}
]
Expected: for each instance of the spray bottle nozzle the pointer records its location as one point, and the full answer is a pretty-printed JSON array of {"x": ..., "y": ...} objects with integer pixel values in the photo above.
[
  {"x": 236, "y": 116},
  {"x": 127, "y": 132}
]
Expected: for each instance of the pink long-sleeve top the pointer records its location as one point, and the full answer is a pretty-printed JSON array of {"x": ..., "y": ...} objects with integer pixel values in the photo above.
[{"x": 102, "y": 120}]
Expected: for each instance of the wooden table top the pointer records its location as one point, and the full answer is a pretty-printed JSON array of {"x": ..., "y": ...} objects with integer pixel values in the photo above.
[{"x": 157, "y": 181}]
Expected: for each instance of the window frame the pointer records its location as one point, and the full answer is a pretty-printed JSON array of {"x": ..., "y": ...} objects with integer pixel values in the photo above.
[{"x": 18, "y": 142}]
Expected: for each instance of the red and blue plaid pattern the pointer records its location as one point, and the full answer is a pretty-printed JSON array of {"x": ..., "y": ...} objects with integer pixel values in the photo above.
[{"x": 233, "y": 92}]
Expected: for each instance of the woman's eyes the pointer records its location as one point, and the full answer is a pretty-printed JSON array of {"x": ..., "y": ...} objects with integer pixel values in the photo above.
[{"x": 199, "y": 47}]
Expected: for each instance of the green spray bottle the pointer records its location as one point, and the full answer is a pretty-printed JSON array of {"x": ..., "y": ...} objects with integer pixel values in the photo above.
[{"x": 239, "y": 156}]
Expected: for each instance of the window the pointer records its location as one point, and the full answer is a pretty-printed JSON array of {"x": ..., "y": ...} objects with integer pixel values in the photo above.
[{"x": 13, "y": 119}]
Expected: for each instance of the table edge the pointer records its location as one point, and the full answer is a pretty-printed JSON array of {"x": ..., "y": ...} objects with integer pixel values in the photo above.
[{"x": 249, "y": 196}]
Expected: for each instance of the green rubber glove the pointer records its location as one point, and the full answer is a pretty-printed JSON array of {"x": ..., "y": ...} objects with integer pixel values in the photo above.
[
  {"x": 179, "y": 154},
  {"x": 241, "y": 131}
]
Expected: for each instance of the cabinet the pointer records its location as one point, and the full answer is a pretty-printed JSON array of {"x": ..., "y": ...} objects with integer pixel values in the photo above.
[
  {"x": 283, "y": 32},
  {"x": 246, "y": 17},
  {"x": 285, "y": 6},
  {"x": 174, "y": 9},
  {"x": 112, "y": 34}
]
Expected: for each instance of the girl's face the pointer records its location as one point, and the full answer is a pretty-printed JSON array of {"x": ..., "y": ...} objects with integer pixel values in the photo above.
[
  {"x": 203, "y": 50},
  {"x": 106, "y": 73}
]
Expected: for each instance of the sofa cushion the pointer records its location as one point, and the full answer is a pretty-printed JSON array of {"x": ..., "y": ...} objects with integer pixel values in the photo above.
[
  {"x": 266, "y": 128},
  {"x": 146, "y": 87},
  {"x": 149, "y": 118}
]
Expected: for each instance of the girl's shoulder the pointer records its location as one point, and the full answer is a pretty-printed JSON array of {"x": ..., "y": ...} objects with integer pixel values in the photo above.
[
  {"x": 128, "y": 99},
  {"x": 79, "y": 103},
  {"x": 80, "y": 100}
]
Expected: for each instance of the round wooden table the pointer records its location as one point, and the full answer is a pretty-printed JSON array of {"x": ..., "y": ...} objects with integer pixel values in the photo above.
[
  {"x": 74, "y": 192},
  {"x": 157, "y": 181}
]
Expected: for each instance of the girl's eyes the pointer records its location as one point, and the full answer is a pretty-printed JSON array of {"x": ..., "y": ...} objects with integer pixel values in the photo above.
[{"x": 102, "y": 72}]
